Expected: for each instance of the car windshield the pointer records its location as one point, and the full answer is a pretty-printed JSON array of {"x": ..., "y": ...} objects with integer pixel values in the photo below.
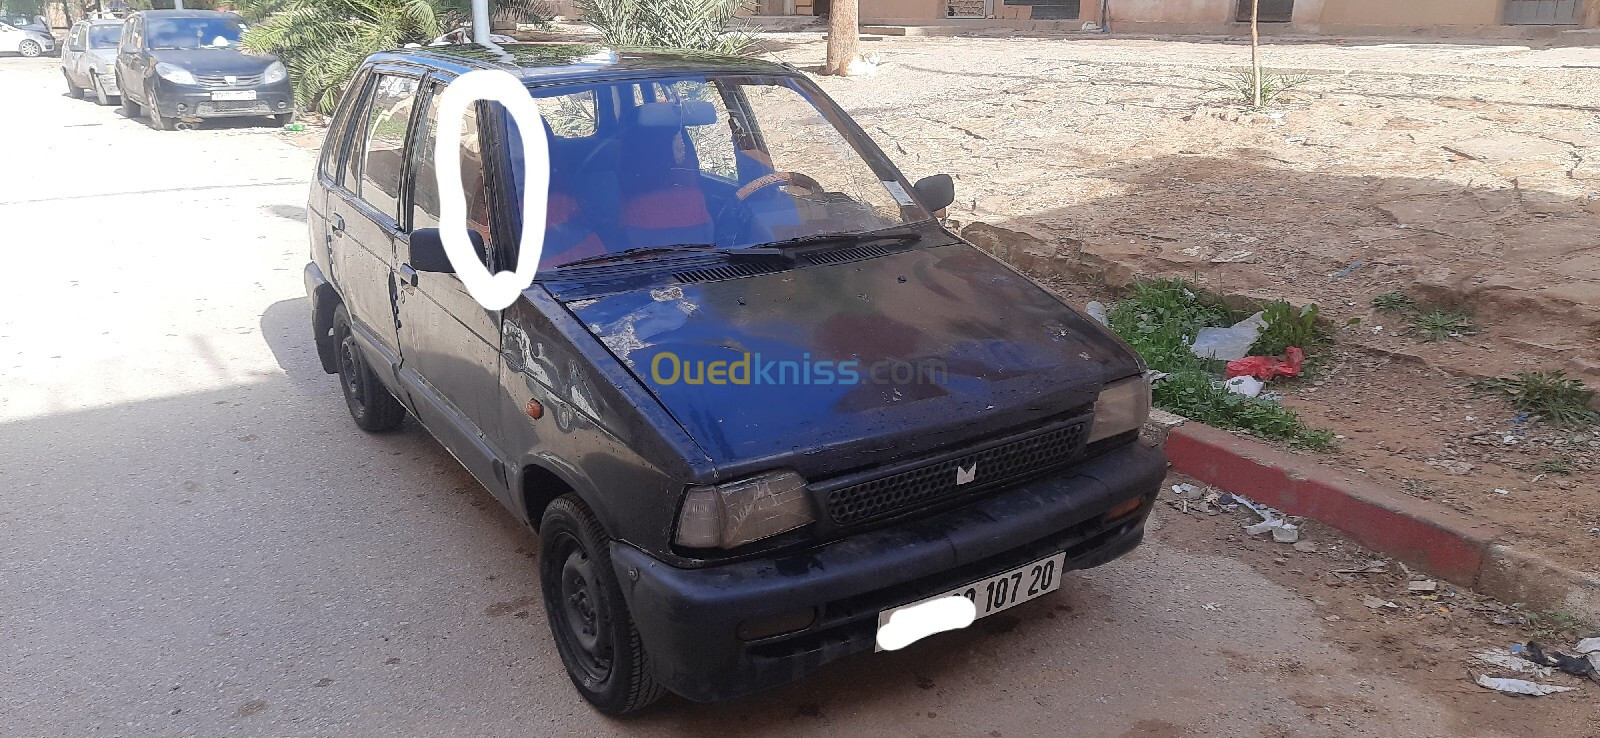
[
  {"x": 721, "y": 161},
  {"x": 193, "y": 33},
  {"x": 104, "y": 36}
]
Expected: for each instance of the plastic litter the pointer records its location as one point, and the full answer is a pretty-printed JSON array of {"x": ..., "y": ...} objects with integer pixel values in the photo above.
[
  {"x": 1521, "y": 686},
  {"x": 1282, "y": 532},
  {"x": 1247, "y": 386},
  {"x": 1097, "y": 310},
  {"x": 1268, "y": 367},
  {"x": 1425, "y": 585},
  {"x": 1378, "y": 602},
  {"x": 1509, "y": 662},
  {"x": 1228, "y": 344},
  {"x": 1574, "y": 665},
  {"x": 1345, "y": 272},
  {"x": 1588, "y": 645}
]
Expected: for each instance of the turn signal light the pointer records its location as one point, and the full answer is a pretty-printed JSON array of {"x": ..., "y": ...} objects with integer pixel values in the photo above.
[{"x": 1124, "y": 509}]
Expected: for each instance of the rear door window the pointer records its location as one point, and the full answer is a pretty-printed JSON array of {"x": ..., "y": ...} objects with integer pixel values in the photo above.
[{"x": 383, "y": 151}]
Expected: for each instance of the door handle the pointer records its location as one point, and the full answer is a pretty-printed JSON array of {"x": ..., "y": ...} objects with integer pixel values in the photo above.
[
  {"x": 338, "y": 224},
  {"x": 408, "y": 274}
]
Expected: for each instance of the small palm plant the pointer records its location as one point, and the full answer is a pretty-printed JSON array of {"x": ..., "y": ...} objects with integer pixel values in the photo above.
[
  {"x": 324, "y": 41},
  {"x": 701, "y": 25}
]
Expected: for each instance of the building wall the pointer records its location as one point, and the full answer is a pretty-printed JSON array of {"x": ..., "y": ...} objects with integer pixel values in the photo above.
[
  {"x": 1170, "y": 11},
  {"x": 891, "y": 11},
  {"x": 1408, "y": 13}
]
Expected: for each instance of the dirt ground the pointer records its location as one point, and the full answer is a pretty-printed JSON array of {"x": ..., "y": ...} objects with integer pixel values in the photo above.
[
  {"x": 1466, "y": 176},
  {"x": 1424, "y": 639}
]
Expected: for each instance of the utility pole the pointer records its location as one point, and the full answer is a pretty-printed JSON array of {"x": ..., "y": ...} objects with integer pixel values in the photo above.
[{"x": 480, "y": 22}]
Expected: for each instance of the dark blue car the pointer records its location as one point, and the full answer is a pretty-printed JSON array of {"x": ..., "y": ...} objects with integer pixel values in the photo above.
[{"x": 760, "y": 406}]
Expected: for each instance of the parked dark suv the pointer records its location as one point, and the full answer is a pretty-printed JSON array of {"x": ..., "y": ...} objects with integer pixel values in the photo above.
[
  {"x": 182, "y": 66},
  {"x": 757, "y": 400}
]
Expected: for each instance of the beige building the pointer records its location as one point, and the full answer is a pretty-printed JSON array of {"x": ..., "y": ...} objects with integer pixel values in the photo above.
[{"x": 1332, "y": 17}]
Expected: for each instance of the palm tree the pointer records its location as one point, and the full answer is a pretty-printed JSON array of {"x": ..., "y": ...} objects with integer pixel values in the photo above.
[
  {"x": 324, "y": 41},
  {"x": 700, "y": 25}
]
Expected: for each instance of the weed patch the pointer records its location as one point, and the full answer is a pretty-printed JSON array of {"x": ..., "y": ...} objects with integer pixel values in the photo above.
[
  {"x": 1241, "y": 85},
  {"x": 1552, "y": 396},
  {"x": 1159, "y": 319},
  {"x": 1438, "y": 325}
]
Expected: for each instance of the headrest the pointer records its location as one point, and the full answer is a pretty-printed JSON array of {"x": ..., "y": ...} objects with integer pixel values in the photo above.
[{"x": 677, "y": 114}]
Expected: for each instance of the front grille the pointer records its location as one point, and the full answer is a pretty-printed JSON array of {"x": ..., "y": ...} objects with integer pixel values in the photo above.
[
  {"x": 217, "y": 80},
  {"x": 233, "y": 106},
  {"x": 888, "y": 495}
]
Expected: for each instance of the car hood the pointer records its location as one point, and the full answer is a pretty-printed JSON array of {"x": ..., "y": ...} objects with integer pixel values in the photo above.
[
  {"x": 948, "y": 345},
  {"x": 214, "y": 61}
]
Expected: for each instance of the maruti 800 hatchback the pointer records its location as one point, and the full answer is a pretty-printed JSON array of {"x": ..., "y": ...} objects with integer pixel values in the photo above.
[{"x": 756, "y": 400}]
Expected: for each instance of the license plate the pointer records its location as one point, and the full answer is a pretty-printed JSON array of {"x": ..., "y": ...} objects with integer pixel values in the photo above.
[
  {"x": 1001, "y": 591},
  {"x": 234, "y": 95}
]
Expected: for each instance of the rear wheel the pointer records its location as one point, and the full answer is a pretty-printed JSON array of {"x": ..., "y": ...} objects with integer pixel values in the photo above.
[
  {"x": 589, "y": 618},
  {"x": 30, "y": 48},
  {"x": 371, "y": 405},
  {"x": 72, "y": 89}
]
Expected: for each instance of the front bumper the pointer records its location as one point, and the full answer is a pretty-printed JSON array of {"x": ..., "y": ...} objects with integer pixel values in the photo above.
[
  {"x": 194, "y": 102},
  {"x": 688, "y": 618}
]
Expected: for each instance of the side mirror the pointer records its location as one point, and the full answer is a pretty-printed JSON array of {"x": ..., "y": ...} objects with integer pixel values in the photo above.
[
  {"x": 936, "y": 192},
  {"x": 427, "y": 251}
]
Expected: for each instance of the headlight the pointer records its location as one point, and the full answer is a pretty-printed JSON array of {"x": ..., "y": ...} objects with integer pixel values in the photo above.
[
  {"x": 1123, "y": 406},
  {"x": 275, "y": 73},
  {"x": 175, "y": 74},
  {"x": 736, "y": 513}
]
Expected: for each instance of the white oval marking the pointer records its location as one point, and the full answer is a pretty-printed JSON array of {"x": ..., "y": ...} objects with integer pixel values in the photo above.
[
  {"x": 492, "y": 291},
  {"x": 911, "y": 624}
]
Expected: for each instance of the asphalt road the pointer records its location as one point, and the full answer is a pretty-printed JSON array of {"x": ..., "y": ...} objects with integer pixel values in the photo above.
[{"x": 195, "y": 539}]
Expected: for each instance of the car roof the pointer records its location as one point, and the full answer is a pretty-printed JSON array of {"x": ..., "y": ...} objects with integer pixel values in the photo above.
[
  {"x": 540, "y": 62},
  {"x": 187, "y": 14},
  {"x": 100, "y": 22}
]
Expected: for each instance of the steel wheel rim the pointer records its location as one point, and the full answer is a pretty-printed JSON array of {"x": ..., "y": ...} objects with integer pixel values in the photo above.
[{"x": 578, "y": 610}]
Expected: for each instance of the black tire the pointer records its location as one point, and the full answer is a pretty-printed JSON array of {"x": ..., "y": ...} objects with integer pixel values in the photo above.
[
  {"x": 589, "y": 619},
  {"x": 371, "y": 405},
  {"x": 100, "y": 95},
  {"x": 75, "y": 91},
  {"x": 157, "y": 122},
  {"x": 130, "y": 109},
  {"x": 283, "y": 119},
  {"x": 30, "y": 48}
]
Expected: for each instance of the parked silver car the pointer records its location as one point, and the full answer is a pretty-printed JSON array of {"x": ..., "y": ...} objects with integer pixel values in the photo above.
[
  {"x": 27, "y": 41},
  {"x": 89, "y": 59}
]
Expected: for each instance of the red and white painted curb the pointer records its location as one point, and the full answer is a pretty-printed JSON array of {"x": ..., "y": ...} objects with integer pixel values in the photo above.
[{"x": 1432, "y": 538}]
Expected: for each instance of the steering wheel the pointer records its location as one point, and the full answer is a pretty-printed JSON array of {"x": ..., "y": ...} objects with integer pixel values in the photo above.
[
  {"x": 729, "y": 228},
  {"x": 777, "y": 178}
]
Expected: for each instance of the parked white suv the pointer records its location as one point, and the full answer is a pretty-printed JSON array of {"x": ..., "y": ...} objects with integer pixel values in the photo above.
[{"x": 27, "y": 42}]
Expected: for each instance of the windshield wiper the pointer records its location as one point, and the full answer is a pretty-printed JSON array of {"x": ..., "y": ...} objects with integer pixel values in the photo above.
[
  {"x": 844, "y": 239},
  {"x": 639, "y": 251}
]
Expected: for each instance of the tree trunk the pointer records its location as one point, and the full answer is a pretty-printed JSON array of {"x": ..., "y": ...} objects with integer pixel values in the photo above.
[
  {"x": 844, "y": 36},
  {"x": 1255, "y": 52}
]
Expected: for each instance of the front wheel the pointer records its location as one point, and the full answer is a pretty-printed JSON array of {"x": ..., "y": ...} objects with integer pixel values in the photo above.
[
  {"x": 371, "y": 405},
  {"x": 100, "y": 95},
  {"x": 593, "y": 630},
  {"x": 30, "y": 48},
  {"x": 283, "y": 119},
  {"x": 130, "y": 109},
  {"x": 75, "y": 91}
]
